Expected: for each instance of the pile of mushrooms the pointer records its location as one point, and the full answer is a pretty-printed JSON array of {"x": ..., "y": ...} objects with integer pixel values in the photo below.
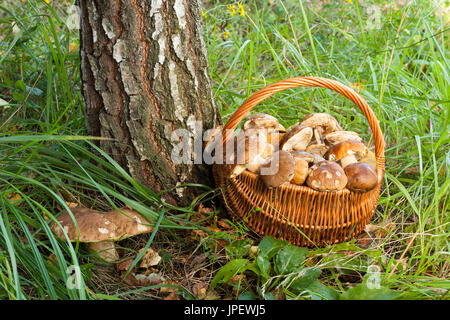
[{"x": 316, "y": 152}]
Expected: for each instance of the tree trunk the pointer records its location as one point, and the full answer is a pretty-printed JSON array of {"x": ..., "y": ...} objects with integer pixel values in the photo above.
[{"x": 145, "y": 74}]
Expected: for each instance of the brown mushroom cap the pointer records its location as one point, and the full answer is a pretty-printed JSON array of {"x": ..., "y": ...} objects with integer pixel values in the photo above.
[
  {"x": 95, "y": 226},
  {"x": 339, "y": 136},
  {"x": 278, "y": 169},
  {"x": 296, "y": 139},
  {"x": 324, "y": 120},
  {"x": 327, "y": 176},
  {"x": 361, "y": 177},
  {"x": 344, "y": 149},
  {"x": 261, "y": 120}
]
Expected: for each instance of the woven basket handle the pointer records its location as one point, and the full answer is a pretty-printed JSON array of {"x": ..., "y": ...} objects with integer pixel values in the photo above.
[{"x": 347, "y": 92}]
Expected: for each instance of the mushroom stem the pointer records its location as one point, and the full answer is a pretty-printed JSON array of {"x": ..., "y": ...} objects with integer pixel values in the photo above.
[
  {"x": 105, "y": 250},
  {"x": 345, "y": 161},
  {"x": 318, "y": 134}
]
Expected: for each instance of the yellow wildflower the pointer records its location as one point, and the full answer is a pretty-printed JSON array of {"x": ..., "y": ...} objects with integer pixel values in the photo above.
[
  {"x": 47, "y": 1},
  {"x": 72, "y": 47},
  {"x": 231, "y": 9},
  {"x": 349, "y": 1},
  {"x": 241, "y": 9},
  {"x": 226, "y": 35},
  {"x": 204, "y": 14}
]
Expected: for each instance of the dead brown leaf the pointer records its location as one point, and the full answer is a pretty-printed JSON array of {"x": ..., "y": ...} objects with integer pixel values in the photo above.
[
  {"x": 224, "y": 224},
  {"x": 124, "y": 265},
  {"x": 150, "y": 258},
  {"x": 168, "y": 289},
  {"x": 172, "y": 296},
  {"x": 199, "y": 290}
]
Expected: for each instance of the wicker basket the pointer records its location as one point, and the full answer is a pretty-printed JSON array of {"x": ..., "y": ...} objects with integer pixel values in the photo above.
[{"x": 299, "y": 214}]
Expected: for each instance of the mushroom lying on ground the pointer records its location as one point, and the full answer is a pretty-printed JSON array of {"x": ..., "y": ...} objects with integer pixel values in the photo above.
[
  {"x": 340, "y": 136},
  {"x": 278, "y": 169},
  {"x": 296, "y": 139},
  {"x": 346, "y": 152},
  {"x": 361, "y": 177},
  {"x": 302, "y": 160},
  {"x": 100, "y": 229},
  {"x": 322, "y": 124},
  {"x": 327, "y": 176}
]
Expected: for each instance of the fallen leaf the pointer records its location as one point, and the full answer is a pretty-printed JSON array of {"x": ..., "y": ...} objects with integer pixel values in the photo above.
[
  {"x": 387, "y": 227},
  {"x": 14, "y": 196},
  {"x": 130, "y": 279},
  {"x": 224, "y": 224},
  {"x": 199, "y": 290},
  {"x": 172, "y": 296},
  {"x": 212, "y": 295},
  {"x": 168, "y": 289},
  {"x": 199, "y": 233},
  {"x": 364, "y": 240},
  {"x": 371, "y": 228},
  {"x": 149, "y": 259},
  {"x": 149, "y": 280},
  {"x": 124, "y": 265}
]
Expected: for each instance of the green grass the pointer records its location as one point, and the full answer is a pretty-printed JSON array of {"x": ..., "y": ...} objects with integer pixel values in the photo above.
[{"x": 402, "y": 64}]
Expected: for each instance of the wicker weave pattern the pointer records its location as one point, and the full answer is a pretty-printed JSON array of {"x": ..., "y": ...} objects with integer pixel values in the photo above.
[{"x": 300, "y": 214}]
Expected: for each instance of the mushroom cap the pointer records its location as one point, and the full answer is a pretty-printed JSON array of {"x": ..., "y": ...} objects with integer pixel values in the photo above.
[
  {"x": 361, "y": 177},
  {"x": 339, "y": 136},
  {"x": 324, "y": 120},
  {"x": 261, "y": 120},
  {"x": 278, "y": 169},
  {"x": 95, "y": 226},
  {"x": 346, "y": 148},
  {"x": 327, "y": 176},
  {"x": 319, "y": 149},
  {"x": 296, "y": 139}
]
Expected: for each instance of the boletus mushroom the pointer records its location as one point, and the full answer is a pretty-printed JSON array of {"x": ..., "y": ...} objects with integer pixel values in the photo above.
[
  {"x": 340, "y": 136},
  {"x": 302, "y": 160},
  {"x": 100, "y": 229},
  {"x": 346, "y": 152},
  {"x": 361, "y": 177},
  {"x": 327, "y": 176},
  {"x": 264, "y": 124},
  {"x": 279, "y": 169},
  {"x": 247, "y": 152},
  {"x": 297, "y": 139},
  {"x": 322, "y": 124}
]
